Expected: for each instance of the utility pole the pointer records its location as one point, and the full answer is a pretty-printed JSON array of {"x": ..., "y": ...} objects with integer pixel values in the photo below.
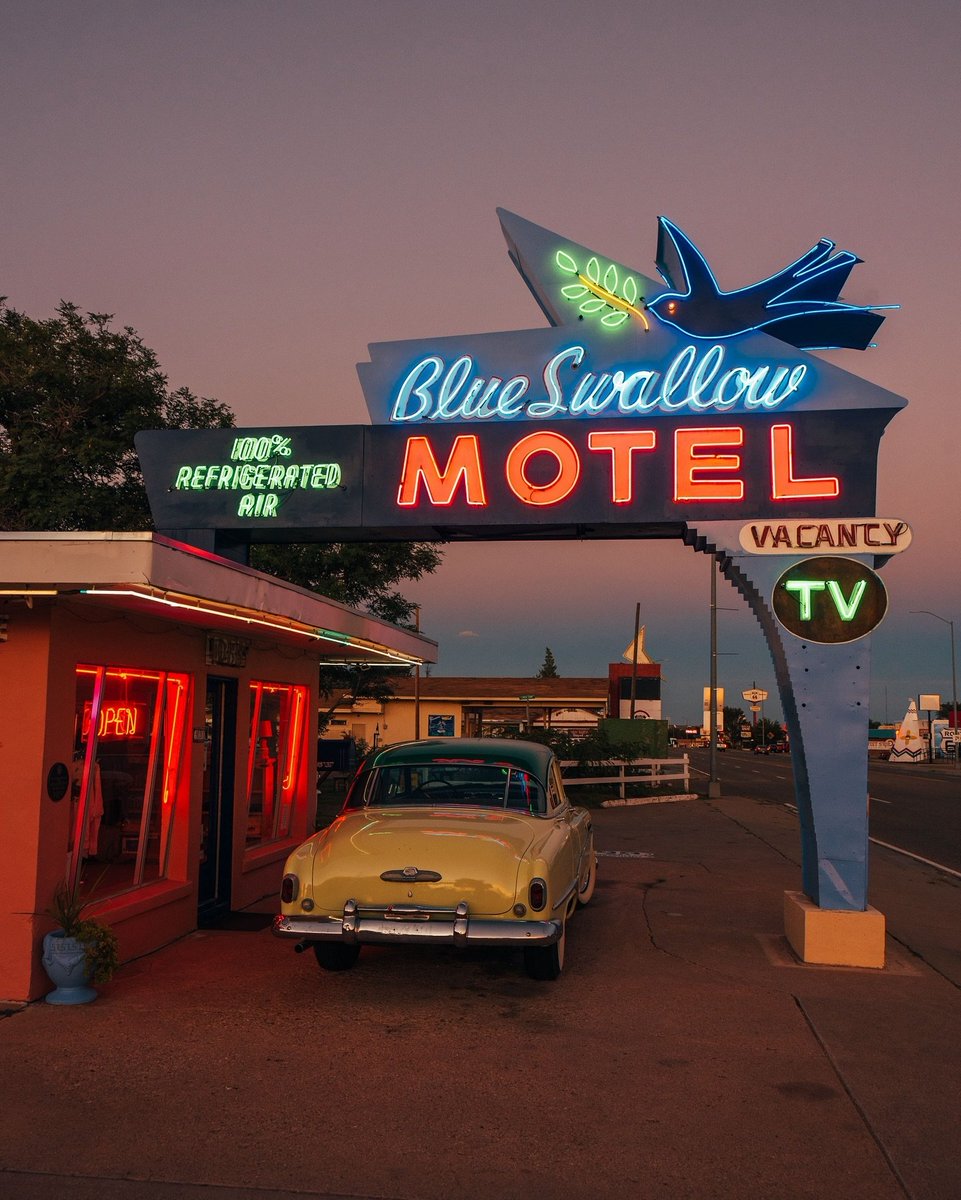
[
  {"x": 417, "y": 681},
  {"x": 637, "y": 630},
  {"x": 713, "y": 783}
]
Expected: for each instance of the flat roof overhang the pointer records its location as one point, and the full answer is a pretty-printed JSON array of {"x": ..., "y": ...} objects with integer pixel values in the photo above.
[{"x": 150, "y": 574}]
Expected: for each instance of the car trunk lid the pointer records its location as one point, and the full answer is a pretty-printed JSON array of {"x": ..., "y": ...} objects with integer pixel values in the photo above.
[{"x": 475, "y": 852}]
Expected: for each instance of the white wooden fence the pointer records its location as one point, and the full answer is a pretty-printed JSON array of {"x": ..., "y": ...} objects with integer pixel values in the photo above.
[{"x": 652, "y": 771}]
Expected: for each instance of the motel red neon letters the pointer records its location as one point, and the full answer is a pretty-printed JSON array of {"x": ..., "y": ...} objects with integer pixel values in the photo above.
[{"x": 706, "y": 466}]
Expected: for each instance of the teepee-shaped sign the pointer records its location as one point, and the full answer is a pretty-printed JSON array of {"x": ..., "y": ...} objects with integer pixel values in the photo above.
[
  {"x": 642, "y": 655},
  {"x": 908, "y": 746}
]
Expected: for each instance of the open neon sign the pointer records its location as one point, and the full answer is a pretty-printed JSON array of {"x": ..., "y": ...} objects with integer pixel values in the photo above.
[
  {"x": 706, "y": 464},
  {"x": 117, "y": 721}
]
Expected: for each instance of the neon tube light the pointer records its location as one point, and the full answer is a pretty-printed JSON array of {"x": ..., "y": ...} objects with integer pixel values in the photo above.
[
  {"x": 612, "y": 300},
  {"x": 420, "y": 466},
  {"x": 193, "y": 605},
  {"x": 175, "y": 740},
  {"x": 784, "y": 485},
  {"x": 692, "y": 457},
  {"x": 564, "y": 481},
  {"x": 294, "y": 747}
]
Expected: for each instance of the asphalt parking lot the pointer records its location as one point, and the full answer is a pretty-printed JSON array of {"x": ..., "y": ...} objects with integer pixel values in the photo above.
[{"x": 683, "y": 1052}]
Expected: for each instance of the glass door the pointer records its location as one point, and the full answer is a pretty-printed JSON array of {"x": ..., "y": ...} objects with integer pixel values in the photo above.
[{"x": 217, "y": 808}]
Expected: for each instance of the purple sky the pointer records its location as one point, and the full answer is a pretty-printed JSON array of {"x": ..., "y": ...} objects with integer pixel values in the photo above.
[{"x": 263, "y": 189}]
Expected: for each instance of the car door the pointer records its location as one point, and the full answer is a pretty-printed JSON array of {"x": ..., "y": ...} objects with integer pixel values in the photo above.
[
  {"x": 565, "y": 839},
  {"x": 578, "y": 823}
]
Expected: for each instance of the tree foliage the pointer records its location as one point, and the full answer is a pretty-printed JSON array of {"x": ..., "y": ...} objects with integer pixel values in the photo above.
[
  {"x": 734, "y": 718},
  {"x": 768, "y": 732},
  {"x": 73, "y": 392},
  {"x": 343, "y": 686},
  {"x": 548, "y": 666},
  {"x": 359, "y": 574}
]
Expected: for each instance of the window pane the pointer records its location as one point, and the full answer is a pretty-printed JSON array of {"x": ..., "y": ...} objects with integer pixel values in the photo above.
[
  {"x": 128, "y": 743},
  {"x": 277, "y": 723},
  {"x": 444, "y": 784}
]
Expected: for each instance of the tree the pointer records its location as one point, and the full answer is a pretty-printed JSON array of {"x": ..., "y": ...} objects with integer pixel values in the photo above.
[
  {"x": 734, "y": 718},
  {"x": 548, "y": 667},
  {"x": 359, "y": 574},
  {"x": 768, "y": 732},
  {"x": 343, "y": 686},
  {"x": 73, "y": 392}
]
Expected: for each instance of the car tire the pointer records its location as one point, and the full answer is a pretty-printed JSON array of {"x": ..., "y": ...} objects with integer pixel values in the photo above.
[
  {"x": 546, "y": 962},
  {"x": 336, "y": 956},
  {"x": 587, "y": 891}
]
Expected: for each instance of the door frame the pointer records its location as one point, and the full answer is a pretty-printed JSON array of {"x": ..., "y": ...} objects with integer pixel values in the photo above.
[{"x": 215, "y": 874}]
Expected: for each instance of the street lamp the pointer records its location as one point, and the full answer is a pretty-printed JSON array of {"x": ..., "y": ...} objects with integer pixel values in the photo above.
[{"x": 954, "y": 681}]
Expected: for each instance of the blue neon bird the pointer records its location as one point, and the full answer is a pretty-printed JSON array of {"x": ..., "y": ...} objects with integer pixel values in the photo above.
[{"x": 800, "y": 304}]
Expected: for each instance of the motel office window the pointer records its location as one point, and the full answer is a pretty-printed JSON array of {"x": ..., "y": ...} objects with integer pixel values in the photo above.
[
  {"x": 275, "y": 748},
  {"x": 129, "y": 734}
]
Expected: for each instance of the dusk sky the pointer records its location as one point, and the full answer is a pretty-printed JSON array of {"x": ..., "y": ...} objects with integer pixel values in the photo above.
[{"x": 262, "y": 189}]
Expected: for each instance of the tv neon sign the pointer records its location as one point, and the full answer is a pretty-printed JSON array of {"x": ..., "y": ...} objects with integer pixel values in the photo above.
[
  {"x": 705, "y": 460},
  {"x": 829, "y": 599},
  {"x": 694, "y": 379}
]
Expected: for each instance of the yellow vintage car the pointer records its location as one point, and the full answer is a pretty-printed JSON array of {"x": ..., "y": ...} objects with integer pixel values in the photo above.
[{"x": 448, "y": 841}]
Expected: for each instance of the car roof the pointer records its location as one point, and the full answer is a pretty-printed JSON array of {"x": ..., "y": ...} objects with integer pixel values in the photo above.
[{"x": 526, "y": 756}]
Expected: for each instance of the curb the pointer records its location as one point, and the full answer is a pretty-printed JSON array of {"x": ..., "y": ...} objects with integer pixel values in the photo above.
[{"x": 633, "y": 801}]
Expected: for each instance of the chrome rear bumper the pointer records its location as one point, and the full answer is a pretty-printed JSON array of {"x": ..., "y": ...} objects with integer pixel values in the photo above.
[{"x": 443, "y": 926}]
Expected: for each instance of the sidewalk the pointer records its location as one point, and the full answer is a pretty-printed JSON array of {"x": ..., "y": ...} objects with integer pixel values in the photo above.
[{"x": 683, "y": 1052}]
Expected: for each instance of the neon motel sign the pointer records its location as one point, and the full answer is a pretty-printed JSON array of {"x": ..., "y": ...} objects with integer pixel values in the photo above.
[
  {"x": 645, "y": 402},
  {"x": 706, "y": 466}
]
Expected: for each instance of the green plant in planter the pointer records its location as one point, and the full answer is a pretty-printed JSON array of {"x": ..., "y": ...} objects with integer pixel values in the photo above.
[{"x": 99, "y": 941}]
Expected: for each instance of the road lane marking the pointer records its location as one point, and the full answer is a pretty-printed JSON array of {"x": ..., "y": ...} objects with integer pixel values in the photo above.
[
  {"x": 624, "y": 853},
  {"x": 928, "y": 862},
  {"x": 878, "y": 800}
]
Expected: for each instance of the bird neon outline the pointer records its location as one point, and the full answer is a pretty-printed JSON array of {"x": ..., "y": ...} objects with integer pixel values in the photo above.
[{"x": 800, "y": 304}]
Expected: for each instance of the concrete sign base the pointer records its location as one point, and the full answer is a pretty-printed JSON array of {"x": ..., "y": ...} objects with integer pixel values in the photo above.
[{"x": 831, "y": 937}]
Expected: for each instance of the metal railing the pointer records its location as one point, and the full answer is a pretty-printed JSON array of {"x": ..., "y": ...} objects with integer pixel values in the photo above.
[{"x": 650, "y": 771}]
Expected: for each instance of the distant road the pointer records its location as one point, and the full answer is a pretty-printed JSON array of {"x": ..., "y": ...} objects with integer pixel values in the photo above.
[{"x": 916, "y": 809}]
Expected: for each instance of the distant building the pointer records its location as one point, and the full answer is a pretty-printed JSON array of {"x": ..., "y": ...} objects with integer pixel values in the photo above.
[
  {"x": 472, "y": 707},
  {"x": 637, "y": 675}
]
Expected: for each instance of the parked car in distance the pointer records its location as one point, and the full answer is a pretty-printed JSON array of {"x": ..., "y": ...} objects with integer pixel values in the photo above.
[{"x": 446, "y": 841}]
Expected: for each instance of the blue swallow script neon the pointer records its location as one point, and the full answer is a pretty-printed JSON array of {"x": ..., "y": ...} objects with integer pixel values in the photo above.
[{"x": 696, "y": 379}]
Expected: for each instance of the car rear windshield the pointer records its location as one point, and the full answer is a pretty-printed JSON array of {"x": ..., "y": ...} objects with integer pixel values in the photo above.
[{"x": 488, "y": 785}]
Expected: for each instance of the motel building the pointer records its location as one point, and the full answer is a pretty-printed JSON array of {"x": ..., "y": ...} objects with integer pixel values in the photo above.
[{"x": 159, "y": 738}]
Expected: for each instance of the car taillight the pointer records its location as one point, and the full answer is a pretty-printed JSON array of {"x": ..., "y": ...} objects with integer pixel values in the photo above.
[
  {"x": 538, "y": 894},
  {"x": 289, "y": 888}
]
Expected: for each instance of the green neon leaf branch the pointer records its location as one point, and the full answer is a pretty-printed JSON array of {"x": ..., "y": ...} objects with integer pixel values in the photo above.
[{"x": 600, "y": 289}]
